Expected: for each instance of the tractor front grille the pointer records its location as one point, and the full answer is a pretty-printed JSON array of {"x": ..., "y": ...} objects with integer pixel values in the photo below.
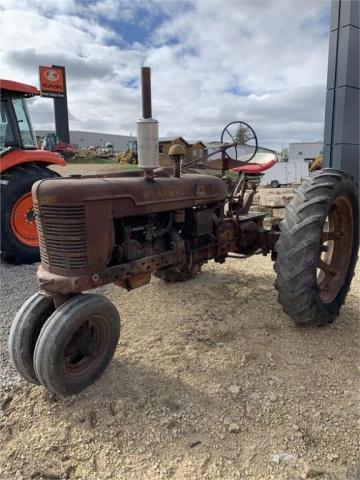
[{"x": 62, "y": 236}]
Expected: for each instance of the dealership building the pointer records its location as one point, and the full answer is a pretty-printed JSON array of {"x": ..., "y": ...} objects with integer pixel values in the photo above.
[{"x": 94, "y": 139}]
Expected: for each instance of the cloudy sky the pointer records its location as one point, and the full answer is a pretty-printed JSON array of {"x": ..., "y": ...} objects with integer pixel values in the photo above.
[{"x": 213, "y": 61}]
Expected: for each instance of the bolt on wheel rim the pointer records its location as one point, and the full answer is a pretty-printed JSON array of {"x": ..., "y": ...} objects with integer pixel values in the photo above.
[
  {"x": 23, "y": 223},
  {"x": 86, "y": 348},
  {"x": 335, "y": 249}
]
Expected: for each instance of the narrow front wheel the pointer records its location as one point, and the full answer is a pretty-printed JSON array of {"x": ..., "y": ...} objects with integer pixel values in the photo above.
[
  {"x": 77, "y": 343},
  {"x": 24, "y": 332}
]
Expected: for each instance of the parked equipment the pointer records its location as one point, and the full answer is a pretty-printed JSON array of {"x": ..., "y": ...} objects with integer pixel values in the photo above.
[
  {"x": 317, "y": 163},
  {"x": 124, "y": 228},
  {"x": 130, "y": 155},
  {"x": 21, "y": 164},
  {"x": 52, "y": 144},
  {"x": 285, "y": 173}
]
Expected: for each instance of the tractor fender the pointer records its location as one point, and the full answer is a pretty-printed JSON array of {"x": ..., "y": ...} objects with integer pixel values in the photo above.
[{"x": 19, "y": 157}]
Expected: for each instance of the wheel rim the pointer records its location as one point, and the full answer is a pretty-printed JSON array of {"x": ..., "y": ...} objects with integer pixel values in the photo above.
[
  {"x": 23, "y": 221},
  {"x": 335, "y": 249},
  {"x": 85, "y": 348}
]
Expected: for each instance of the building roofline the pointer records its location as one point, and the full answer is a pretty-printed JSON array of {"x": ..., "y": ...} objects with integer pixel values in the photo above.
[
  {"x": 305, "y": 143},
  {"x": 172, "y": 139}
]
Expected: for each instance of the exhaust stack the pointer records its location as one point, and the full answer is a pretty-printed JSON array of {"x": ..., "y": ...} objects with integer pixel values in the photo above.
[{"x": 147, "y": 129}]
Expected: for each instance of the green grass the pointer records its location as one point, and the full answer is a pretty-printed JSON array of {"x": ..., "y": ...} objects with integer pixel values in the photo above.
[{"x": 95, "y": 159}]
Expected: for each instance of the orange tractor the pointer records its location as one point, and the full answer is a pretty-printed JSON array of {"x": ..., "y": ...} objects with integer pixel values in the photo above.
[{"x": 21, "y": 165}]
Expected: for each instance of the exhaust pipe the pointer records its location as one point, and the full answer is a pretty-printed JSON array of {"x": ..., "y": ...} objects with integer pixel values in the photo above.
[{"x": 147, "y": 129}]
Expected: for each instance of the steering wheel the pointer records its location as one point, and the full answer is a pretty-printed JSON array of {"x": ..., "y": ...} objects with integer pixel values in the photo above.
[{"x": 243, "y": 144}]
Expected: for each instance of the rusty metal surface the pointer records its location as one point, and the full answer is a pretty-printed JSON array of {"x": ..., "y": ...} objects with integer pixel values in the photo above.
[
  {"x": 146, "y": 92},
  {"x": 335, "y": 249},
  {"x": 68, "y": 224},
  {"x": 246, "y": 239},
  {"x": 75, "y": 216},
  {"x": 63, "y": 284},
  {"x": 97, "y": 230},
  {"x": 132, "y": 196}
]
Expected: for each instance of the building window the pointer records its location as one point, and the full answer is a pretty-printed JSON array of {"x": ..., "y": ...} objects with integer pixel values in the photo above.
[
  {"x": 300, "y": 153},
  {"x": 195, "y": 153},
  {"x": 161, "y": 149}
]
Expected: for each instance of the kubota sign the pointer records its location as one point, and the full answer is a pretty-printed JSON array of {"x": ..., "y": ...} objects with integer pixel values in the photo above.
[{"x": 51, "y": 81}]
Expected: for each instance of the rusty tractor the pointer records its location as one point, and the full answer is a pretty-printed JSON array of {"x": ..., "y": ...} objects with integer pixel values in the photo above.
[{"x": 125, "y": 227}]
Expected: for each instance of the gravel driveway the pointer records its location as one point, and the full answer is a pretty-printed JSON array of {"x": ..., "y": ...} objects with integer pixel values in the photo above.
[
  {"x": 17, "y": 284},
  {"x": 211, "y": 380}
]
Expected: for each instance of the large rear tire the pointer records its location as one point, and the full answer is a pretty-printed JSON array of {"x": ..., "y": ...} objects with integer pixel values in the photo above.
[
  {"x": 19, "y": 242},
  {"x": 318, "y": 248}
]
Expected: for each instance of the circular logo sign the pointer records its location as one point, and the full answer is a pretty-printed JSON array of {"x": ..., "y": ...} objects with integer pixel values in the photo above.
[{"x": 52, "y": 75}]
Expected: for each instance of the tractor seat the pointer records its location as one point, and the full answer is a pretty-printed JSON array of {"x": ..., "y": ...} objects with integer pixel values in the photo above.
[{"x": 264, "y": 161}]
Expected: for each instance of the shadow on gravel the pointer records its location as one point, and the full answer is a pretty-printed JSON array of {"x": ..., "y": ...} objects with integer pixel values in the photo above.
[{"x": 131, "y": 400}]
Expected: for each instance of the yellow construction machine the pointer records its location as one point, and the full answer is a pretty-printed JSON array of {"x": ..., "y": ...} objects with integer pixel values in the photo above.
[
  {"x": 317, "y": 163},
  {"x": 130, "y": 155}
]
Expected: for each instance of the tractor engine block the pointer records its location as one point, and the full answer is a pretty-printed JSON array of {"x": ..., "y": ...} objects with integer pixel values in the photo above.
[{"x": 96, "y": 230}]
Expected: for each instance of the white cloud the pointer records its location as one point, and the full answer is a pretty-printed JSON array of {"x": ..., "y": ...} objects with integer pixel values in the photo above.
[{"x": 263, "y": 62}]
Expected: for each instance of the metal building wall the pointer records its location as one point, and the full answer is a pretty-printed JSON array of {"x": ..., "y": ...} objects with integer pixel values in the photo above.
[
  {"x": 342, "y": 125},
  {"x": 300, "y": 151}
]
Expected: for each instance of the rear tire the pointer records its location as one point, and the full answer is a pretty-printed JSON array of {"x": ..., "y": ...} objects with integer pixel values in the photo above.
[
  {"x": 16, "y": 183},
  {"x": 318, "y": 248},
  {"x": 77, "y": 343}
]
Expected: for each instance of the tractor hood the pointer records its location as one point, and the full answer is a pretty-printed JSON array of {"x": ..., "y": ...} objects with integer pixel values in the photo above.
[{"x": 131, "y": 196}]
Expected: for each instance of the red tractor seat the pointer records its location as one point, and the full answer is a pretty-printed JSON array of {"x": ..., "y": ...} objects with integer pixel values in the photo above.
[{"x": 264, "y": 161}]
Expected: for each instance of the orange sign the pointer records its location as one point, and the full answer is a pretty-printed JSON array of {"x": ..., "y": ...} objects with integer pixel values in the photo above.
[{"x": 51, "y": 81}]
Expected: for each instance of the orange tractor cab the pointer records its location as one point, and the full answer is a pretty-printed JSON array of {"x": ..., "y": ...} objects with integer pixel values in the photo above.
[{"x": 21, "y": 165}]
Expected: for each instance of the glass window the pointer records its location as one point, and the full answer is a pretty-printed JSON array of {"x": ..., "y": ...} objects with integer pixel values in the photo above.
[
  {"x": 22, "y": 116},
  {"x": 7, "y": 136},
  {"x": 195, "y": 153},
  {"x": 161, "y": 149}
]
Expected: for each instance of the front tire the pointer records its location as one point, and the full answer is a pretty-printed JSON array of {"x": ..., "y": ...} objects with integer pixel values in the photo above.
[
  {"x": 77, "y": 343},
  {"x": 318, "y": 248},
  {"x": 24, "y": 332},
  {"x": 19, "y": 241}
]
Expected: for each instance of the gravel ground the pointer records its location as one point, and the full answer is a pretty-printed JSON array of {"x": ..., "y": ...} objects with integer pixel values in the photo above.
[
  {"x": 211, "y": 380},
  {"x": 17, "y": 284}
]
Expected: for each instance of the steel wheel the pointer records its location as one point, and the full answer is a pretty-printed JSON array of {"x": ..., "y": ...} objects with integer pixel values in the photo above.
[
  {"x": 77, "y": 343},
  {"x": 318, "y": 248},
  {"x": 85, "y": 348},
  {"x": 23, "y": 221},
  {"x": 335, "y": 249}
]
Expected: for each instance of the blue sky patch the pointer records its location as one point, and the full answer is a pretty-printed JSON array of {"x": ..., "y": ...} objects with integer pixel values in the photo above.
[{"x": 138, "y": 30}]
